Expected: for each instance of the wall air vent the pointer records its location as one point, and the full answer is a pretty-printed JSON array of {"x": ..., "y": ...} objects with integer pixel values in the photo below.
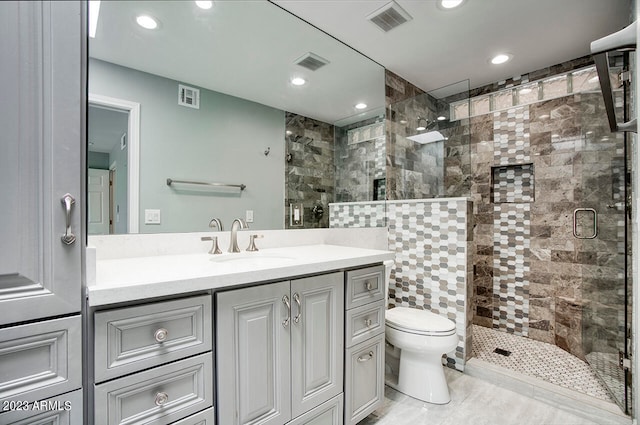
[
  {"x": 188, "y": 96},
  {"x": 311, "y": 61},
  {"x": 389, "y": 16}
]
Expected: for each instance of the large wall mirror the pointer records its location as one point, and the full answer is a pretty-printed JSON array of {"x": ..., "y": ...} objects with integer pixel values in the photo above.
[{"x": 209, "y": 96}]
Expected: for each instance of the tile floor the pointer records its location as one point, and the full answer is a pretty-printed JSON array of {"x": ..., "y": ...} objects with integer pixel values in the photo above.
[
  {"x": 537, "y": 359},
  {"x": 473, "y": 402}
]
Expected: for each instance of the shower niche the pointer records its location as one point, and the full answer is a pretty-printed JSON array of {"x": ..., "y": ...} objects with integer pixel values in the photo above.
[{"x": 512, "y": 184}]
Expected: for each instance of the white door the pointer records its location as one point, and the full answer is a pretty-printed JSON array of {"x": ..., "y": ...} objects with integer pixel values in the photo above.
[
  {"x": 98, "y": 202},
  {"x": 41, "y": 161}
]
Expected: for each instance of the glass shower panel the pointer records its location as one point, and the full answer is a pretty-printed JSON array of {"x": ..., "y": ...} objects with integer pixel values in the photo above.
[
  {"x": 429, "y": 148},
  {"x": 601, "y": 222}
]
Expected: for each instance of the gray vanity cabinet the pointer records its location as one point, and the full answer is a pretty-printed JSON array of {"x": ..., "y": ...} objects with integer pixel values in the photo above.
[
  {"x": 41, "y": 46},
  {"x": 364, "y": 341},
  {"x": 279, "y": 350},
  {"x": 153, "y": 363}
]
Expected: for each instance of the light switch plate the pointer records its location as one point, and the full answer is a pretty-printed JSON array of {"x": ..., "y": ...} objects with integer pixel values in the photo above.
[
  {"x": 151, "y": 216},
  {"x": 296, "y": 215}
]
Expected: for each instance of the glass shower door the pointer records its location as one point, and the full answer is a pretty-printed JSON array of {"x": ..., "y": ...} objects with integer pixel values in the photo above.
[{"x": 602, "y": 237}]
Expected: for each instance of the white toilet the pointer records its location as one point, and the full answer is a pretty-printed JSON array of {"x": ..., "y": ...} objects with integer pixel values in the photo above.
[{"x": 421, "y": 338}]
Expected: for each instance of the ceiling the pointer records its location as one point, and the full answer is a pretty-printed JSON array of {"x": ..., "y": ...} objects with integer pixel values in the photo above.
[
  {"x": 440, "y": 47},
  {"x": 248, "y": 48}
]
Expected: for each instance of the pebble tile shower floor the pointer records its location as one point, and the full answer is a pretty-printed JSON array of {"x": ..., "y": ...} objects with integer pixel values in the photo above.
[{"x": 537, "y": 359}]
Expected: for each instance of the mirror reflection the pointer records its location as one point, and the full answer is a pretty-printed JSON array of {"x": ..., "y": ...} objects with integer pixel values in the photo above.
[{"x": 214, "y": 96}]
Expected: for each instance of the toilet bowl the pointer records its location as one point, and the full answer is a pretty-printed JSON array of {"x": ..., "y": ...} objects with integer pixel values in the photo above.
[{"x": 420, "y": 337}]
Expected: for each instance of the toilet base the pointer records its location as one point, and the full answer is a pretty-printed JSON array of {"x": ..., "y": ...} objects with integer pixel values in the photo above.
[{"x": 422, "y": 376}]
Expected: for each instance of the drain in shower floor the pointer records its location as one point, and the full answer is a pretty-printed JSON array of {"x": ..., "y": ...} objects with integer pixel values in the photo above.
[{"x": 502, "y": 352}]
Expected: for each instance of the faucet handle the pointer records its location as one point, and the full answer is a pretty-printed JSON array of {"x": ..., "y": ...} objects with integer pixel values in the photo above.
[
  {"x": 214, "y": 247},
  {"x": 215, "y": 222},
  {"x": 252, "y": 242}
]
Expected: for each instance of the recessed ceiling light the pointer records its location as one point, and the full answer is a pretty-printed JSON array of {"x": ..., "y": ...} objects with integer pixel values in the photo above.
[
  {"x": 450, "y": 4},
  {"x": 146, "y": 21},
  {"x": 288, "y": 132},
  {"x": 500, "y": 59},
  {"x": 298, "y": 81},
  {"x": 403, "y": 121},
  {"x": 361, "y": 106},
  {"x": 442, "y": 118},
  {"x": 204, "y": 4}
]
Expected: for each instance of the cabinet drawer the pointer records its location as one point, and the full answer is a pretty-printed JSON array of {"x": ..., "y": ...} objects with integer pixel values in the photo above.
[
  {"x": 365, "y": 286},
  {"x": 64, "y": 409},
  {"x": 40, "y": 360},
  {"x": 206, "y": 417},
  {"x": 158, "y": 396},
  {"x": 364, "y": 322},
  {"x": 328, "y": 413},
  {"x": 134, "y": 338},
  {"x": 364, "y": 388}
]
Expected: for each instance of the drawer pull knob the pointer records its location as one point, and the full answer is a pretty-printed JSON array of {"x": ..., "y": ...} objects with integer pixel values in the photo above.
[
  {"x": 366, "y": 357},
  {"x": 161, "y": 398},
  {"x": 161, "y": 335},
  {"x": 368, "y": 285},
  {"x": 368, "y": 322}
]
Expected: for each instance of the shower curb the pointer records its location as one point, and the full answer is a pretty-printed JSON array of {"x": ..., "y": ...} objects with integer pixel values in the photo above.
[{"x": 571, "y": 401}]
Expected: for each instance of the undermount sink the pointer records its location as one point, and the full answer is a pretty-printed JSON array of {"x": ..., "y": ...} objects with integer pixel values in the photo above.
[{"x": 253, "y": 259}]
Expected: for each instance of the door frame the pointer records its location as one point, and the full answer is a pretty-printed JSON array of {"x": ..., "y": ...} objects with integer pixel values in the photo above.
[{"x": 133, "y": 156}]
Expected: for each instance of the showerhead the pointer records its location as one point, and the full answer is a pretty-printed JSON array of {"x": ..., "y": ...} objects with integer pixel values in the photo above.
[{"x": 425, "y": 124}]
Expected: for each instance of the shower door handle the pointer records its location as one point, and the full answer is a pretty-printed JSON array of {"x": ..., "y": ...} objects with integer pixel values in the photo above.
[{"x": 575, "y": 223}]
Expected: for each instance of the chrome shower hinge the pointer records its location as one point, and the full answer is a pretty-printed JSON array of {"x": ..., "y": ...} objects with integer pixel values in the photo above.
[
  {"x": 623, "y": 362},
  {"x": 624, "y": 77}
]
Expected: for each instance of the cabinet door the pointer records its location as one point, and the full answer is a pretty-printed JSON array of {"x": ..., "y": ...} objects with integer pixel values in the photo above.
[
  {"x": 40, "y": 360},
  {"x": 253, "y": 355},
  {"x": 317, "y": 340},
  {"x": 364, "y": 376},
  {"x": 65, "y": 409},
  {"x": 40, "y": 116}
]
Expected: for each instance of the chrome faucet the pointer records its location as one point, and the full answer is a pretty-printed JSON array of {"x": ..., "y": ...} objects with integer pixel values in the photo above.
[
  {"x": 214, "y": 247},
  {"x": 238, "y": 223}
]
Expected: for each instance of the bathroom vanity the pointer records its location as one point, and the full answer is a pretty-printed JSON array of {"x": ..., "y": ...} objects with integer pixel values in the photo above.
[{"x": 279, "y": 336}]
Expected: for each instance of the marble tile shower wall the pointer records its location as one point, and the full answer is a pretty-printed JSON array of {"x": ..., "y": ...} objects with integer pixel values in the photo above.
[
  {"x": 360, "y": 161},
  {"x": 419, "y": 171},
  {"x": 530, "y": 274},
  {"x": 309, "y": 170},
  {"x": 433, "y": 270}
]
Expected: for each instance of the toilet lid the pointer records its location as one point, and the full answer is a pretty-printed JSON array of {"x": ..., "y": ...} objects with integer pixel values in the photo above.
[{"x": 418, "y": 321}]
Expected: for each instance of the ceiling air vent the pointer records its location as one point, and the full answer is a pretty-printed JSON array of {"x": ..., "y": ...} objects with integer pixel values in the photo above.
[
  {"x": 311, "y": 61},
  {"x": 188, "y": 96},
  {"x": 389, "y": 16}
]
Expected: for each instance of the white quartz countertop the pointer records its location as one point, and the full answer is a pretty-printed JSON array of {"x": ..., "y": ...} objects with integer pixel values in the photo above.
[{"x": 130, "y": 279}]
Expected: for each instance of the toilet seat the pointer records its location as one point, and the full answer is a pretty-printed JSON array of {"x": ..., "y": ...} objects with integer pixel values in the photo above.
[{"x": 419, "y": 322}]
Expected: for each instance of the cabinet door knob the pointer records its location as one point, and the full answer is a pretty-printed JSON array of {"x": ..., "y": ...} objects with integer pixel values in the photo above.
[
  {"x": 368, "y": 285},
  {"x": 366, "y": 357},
  {"x": 161, "y": 335},
  {"x": 161, "y": 398},
  {"x": 368, "y": 322}
]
